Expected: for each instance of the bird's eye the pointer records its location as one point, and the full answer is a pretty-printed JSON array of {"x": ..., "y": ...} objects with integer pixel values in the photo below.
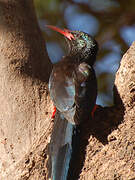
[{"x": 81, "y": 43}]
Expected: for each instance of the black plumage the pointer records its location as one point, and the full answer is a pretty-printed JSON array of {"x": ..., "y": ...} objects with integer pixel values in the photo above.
[{"x": 73, "y": 89}]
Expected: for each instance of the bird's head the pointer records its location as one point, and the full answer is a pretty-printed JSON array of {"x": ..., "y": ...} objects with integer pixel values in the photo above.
[{"x": 82, "y": 46}]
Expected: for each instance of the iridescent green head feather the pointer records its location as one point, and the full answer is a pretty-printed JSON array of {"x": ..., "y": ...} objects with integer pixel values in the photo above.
[{"x": 83, "y": 46}]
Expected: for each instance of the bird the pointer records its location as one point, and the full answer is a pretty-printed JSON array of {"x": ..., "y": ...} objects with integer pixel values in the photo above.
[{"x": 73, "y": 90}]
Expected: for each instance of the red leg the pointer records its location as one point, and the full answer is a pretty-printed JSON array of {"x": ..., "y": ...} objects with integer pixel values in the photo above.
[
  {"x": 54, "y": 111},
  {"x": 93, "y": 111}
]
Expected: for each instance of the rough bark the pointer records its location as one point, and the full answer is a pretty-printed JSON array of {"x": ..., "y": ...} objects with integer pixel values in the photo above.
[
  {"x": 108, "y": 142},
  {"x": 24, "y": 73}
]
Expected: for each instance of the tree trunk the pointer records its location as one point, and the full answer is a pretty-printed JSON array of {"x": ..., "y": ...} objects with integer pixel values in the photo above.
[
  {"x": 108, "y": 142},
  {"x": 24, "y": 73}
]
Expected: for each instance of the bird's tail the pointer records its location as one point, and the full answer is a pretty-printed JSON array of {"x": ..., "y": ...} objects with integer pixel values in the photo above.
[{"x": 61, "y": 147}]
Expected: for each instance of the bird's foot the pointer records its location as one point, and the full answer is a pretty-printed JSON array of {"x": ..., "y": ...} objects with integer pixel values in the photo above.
[
  {"x": 94, "y": 110},
  {"x": 54, "y": 111}
]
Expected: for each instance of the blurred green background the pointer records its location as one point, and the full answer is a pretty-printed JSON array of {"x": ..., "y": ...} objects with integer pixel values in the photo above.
[{"x": 111, "y": 22}]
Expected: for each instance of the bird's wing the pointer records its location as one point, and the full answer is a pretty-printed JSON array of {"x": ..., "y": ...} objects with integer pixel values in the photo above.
[{"x": 62, "y": 92}]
